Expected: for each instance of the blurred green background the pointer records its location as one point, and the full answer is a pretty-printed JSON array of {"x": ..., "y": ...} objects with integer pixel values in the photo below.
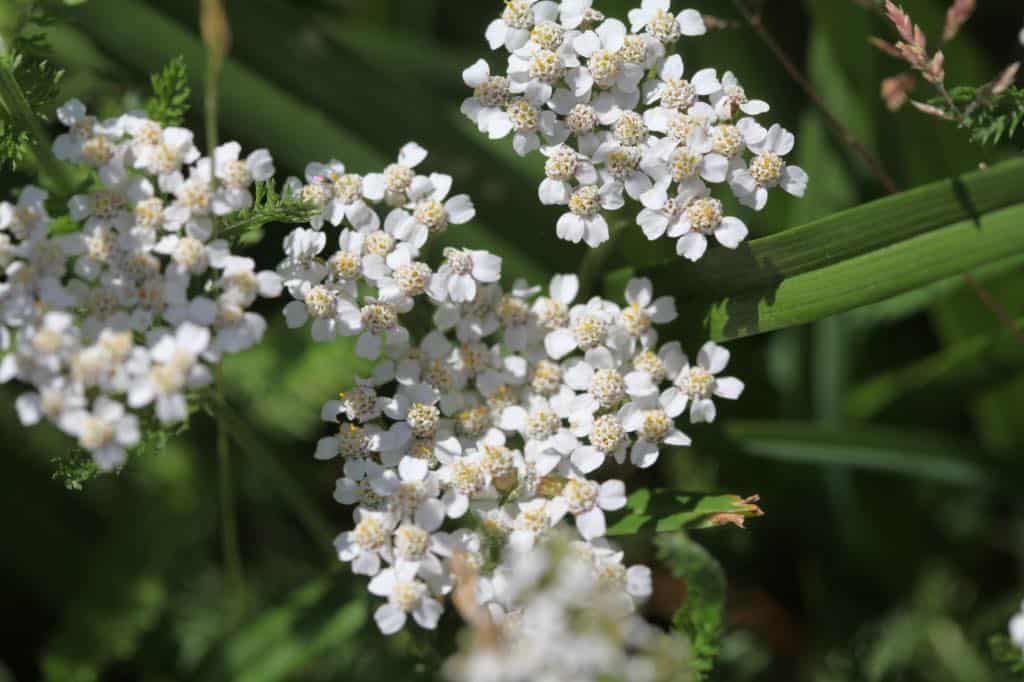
[{"x": 883, "y": 442}]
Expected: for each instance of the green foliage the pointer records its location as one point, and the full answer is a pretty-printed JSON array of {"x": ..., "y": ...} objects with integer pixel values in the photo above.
[
  {"x": 1006, "y": 653},
  {"x": 269, "y": 206},
  {"x": 990, "y": 119},
  {"x": 171, "y": 91},
  {"x": 75, "y": 467},
  {"x": 671, "y": 510},
  {"x": 702, "y": 615},
  {"x": 27, "y": 67}
]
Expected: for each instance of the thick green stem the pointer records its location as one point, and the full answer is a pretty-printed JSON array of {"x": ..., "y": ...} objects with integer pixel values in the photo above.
[{"x": 18, "y": 108}]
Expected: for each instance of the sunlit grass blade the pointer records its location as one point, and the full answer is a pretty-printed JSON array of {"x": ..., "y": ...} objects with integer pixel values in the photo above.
[{"x": 869, "y": 278}]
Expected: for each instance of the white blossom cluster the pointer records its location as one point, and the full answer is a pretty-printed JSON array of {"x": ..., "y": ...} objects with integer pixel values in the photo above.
[
  {"x": 128, "y": 312},
  {"x": 374, "y": 276},
  {"x": 610, "y": 108},
  {"x": 558, "y": 620},
  {"x": 497, "y": 420}
]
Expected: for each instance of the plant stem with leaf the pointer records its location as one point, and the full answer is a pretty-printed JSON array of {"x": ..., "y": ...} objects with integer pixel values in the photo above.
[
  {"x": 216, "y": 36},
  {"x": 18, "y": 109},
  {"x": 846, "y": 135}
]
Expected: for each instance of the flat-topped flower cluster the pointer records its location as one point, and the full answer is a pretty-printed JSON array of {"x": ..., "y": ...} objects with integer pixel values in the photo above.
[
  {"x": 124, "y": 303},
  {"x": 610, "y": 108},
  {"x": 375, "y": 275},
  {"x": 488, "y": 430}
]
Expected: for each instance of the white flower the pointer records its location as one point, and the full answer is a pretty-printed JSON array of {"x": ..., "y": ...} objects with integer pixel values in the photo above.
[
  {"x": 587, "y": 501},
  {"x": 692, "y": 216},
  {"x": 605, "y": 67},
  {"x": 27, "y": 220},
  {"x": 654, "y": 17},
  {"x": 672, "y": 92},
  {"x": 512, "y": 29},
  {"x": 302, "y": 264},
  {"x": 175, "y": 369},
  {"x": 406, "y": 595},
  {"x": 575, "y": 13},
  {"x": 588, "y": 327},
  {"x": 490, "y": 94},
  {"x": 106, "y": 431},
  {"x": 537, "y": 69},
  {"x": 368, "y": 542},
  {"x": 652, "y": 421},
  {"x": 768, "y": 169},
  {"x": 235, "y": 176},
  {"x": 431, "y": 212},
  {"x": 394, "y": 183},
  {"x": 584, "y": 221},
  {"x": 563, "y": 166},
  {"x": 463, "y": 268},
  {"x": 731, "y": 98},
  {"x": 323, "y": 304},
  {"x": 163, "y": 153},
  {"x": 347, "y": 197},
  {"x": 699, "y": 383},
  {"x": 528, "y": 120},
  {"x": 644, "y": 311}
]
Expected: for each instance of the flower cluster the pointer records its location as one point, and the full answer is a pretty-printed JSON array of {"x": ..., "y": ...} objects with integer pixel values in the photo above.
[
  {"x": 496, "y": 420},
  {"x": 561, "y": 622},
  {"x": 376, "y": 273},
  {"x": 610, "y": 108},
  {"x": 125, "y": 301}
]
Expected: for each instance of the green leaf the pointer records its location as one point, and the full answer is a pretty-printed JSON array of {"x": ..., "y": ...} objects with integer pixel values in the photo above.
[
  {"x": 988, "y": 118},
  {"x": 1006, "y": 653},
  {"x": 856, "y": 257},
  {"x": 670, "y": 511},
  {"x": 170, "y": 101},
  {"x": 920, "y": 455},
  {"x": 269, "y": 206},
  {"x": 912, "y": 302},
  {"x": 281, "y": 642},
  {"x": 702, "y": 615}
]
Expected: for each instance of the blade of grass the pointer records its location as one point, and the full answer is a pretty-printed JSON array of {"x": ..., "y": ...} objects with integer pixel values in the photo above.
[
  {"x": 919, "y": 455},
  {"x": 869, "y": 278},
  {"x": 962, "y": 369}
]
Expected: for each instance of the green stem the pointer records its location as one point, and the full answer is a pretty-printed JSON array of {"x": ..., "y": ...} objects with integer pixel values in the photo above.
[
  {"x": 230, "y": 546},
  {"x": 213, "y": 69},
  {"x": 285, "y": 485},
  {"x": 14, "y": 101}
]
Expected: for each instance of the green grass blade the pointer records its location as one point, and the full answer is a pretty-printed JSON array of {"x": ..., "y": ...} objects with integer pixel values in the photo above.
[
  {"x": 961, "y": 369},
  {"x": 920, "y": 455},
  {"x": 869, "y": 278}
]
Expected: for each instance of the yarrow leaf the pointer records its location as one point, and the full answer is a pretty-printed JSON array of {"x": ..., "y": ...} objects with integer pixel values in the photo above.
[
  {"x": 28, "y": 68},
  {"x": 702, "y": 615},
  {"x": 269, "y": 206},
  {"x": 672, "y": 510},
  {"x": 1007, "y": 653},
  {"x": 989, "y": 118},
  {"x": 169, "y": 103}
]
